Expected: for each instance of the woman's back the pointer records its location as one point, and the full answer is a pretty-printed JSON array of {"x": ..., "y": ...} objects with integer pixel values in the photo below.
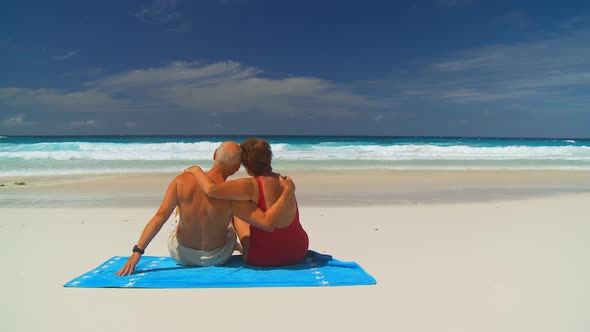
[
  {"x": 283, "y": 246},
  {"x": 271, "y": 188}
]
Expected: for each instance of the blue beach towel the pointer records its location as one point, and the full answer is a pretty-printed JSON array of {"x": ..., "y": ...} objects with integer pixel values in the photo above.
[{"x": 164, "y": 272}]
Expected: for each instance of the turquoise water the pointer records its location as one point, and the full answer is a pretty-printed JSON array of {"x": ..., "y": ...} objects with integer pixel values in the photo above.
[{"x": 22, "y": 156}]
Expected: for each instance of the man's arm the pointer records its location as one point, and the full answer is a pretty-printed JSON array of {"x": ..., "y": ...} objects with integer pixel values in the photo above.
[
  {"x": 152, "y": 228},
  {"x": 239, "y": 189},
  {"x": 280, "y": 214}
]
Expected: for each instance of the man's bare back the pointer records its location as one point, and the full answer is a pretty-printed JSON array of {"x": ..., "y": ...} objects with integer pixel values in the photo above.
[{"x": 203, "y": 221}]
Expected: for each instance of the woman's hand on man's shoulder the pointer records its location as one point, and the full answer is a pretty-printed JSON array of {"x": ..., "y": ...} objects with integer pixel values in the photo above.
[{"x": 286, "y": 183}]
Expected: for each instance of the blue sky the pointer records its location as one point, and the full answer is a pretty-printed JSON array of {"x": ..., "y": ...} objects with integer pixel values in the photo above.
[{"x": 260, "y": 67}]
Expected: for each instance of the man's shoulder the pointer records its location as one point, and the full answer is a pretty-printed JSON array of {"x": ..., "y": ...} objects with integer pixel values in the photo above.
[
  {"x": 185, "y": 178},
  {"x": 185, "y": 184}
]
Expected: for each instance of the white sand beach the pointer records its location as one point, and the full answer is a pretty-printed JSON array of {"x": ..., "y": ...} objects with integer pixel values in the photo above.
[{"x": 450, "y": 250}]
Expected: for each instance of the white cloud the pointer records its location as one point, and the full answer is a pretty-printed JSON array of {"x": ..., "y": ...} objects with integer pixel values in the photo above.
[
  {"x": 17, "y": 121},
  {"x": 562, "y": 53},
  {"x": 574, "y": 22},
  {"x": 130, "y": 124},
  {"x": 92, "y": 72},
  {"x": 543, "y": 69},
  {"x": 230, "y": 87},
  {"x": 162, "y": 11},
  {"x": 469, "y": 62},
  {"x": 474, "y": 95},
  {"x": 83, "y": 124},
  {"x": 59, "y": 100},
  {"x": 65, "y": 56},
  {"x": 190, "y": 86},
  {"x": 176, "y": 73},
  {"x": 166, "y": 13}
]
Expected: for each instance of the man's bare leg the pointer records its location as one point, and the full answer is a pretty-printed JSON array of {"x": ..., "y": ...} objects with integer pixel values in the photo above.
[{"x": 243, "y": 230}]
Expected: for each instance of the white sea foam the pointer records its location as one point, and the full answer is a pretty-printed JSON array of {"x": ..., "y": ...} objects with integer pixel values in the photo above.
[
  {"x": 62, "y": 158},
  {"x": 288, "y": 152},
  {"x": 79, "y": 171},
  {"x": 431, "y": 152},
  {"x": 111, "y": 151}
]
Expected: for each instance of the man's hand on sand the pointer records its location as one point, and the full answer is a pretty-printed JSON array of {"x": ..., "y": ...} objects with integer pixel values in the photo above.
[
  {"x": 129, "y": 266},
  {"x": 286, "y": 183}
]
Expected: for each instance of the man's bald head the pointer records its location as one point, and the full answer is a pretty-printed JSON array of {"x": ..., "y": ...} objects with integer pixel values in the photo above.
[{"x": 228, "y": 155}]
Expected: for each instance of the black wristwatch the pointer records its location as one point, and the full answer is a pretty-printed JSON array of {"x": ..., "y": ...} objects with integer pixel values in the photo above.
[{"x": 138, "y": 249}]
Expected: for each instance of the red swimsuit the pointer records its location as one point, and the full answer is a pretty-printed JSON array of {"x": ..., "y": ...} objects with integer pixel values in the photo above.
[{"x": 283, "y": 246}]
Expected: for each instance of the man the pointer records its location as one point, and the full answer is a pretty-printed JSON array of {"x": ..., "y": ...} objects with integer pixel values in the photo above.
[{"x": 203, "y": 236}]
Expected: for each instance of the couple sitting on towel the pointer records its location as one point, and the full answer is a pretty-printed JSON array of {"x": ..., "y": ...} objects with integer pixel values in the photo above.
[{"x": 263, "y": 207}]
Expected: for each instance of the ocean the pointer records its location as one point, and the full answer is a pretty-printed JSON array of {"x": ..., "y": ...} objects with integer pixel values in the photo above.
[{"x": 64, "y": 155}]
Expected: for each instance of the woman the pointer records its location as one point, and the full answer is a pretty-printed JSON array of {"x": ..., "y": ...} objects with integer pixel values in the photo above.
[{"x": 286, "y": 244}]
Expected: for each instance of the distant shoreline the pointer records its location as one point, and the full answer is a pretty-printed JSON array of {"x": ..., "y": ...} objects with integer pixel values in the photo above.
[{"x": 314, "y": 188}]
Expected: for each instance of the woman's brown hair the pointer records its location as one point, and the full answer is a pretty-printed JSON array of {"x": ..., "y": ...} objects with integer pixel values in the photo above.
[{"x": 256, "y": 156}]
